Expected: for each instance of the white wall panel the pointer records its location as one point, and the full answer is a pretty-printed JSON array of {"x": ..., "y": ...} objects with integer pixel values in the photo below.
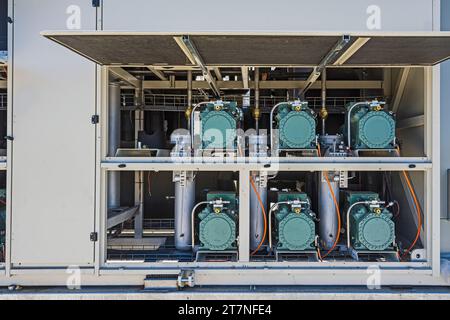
[
  {"x": 267, "y": 15},
  {"x": 53, "y": 156}
]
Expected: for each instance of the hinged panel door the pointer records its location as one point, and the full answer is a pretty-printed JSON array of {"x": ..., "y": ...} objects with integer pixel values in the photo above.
[{"x": 53, "y": 156}]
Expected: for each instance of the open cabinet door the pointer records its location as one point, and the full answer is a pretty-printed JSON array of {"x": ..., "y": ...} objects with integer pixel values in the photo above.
[
  {"x": 271, "y": 49},
  {"x": 53, "y": 154}
]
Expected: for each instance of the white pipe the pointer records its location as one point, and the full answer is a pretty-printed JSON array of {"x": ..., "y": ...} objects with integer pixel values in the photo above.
[
  {"x": 271, "y": 123},
  {"x": 358, "y": 104},
  {"x": 193, "y": 221},
  {"x": 192, "y": 120}
]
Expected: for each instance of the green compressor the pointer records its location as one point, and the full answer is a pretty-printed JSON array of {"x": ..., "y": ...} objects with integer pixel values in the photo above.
[
  {"x": 295, "y": 222},
  {"x": 296, "y": 124},
  {"x": 369, "y": 222},
  {"x": 368, "y": 125},
  {"x": 219, "y": 122},
  {"x": 218, "y": 222}
]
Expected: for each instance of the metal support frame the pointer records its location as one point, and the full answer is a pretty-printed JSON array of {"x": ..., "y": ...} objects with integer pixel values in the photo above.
[
  {"x": 245, "y": 79},
  {"x": 157, "y": 73},
  {"x": 188, "y": 47},
  {"x": 139, "y": 176},
  {"x": 244, "y": 216},
  {"x": 218, "y": 73},
  {"x": 354, "y": 47},
  {"x": 264, "y": 273},
  {"x": 337, "y": 49},
  {"x": 267, "y": 84},
  {"x": 124, "y": 75},
  {"x": 400, "y": 88}
]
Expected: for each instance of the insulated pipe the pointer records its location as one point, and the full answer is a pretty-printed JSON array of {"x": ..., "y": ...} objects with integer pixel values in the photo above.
[
  {"x": 349, "y": 113},
  {"x": 192, "y": 121},
  {"x": 256, "y": 219},
  {"x": 328, "y": 223},
  {"x": 324, "y": 111},
  {"x": 113, "y": 143},
  {"x": 184, "y": 202},
  {"x": 271, "y": 124},
  {"x": 193, "y": 222},
  {"x": 189, "y": 98},
  {"x": 257, "y": 111}
]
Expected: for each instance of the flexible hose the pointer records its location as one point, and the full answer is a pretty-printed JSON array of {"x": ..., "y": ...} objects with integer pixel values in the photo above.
[
  {"x": 416, "y": 204},
  {"x": 263, "y": 212},
  {"x": 338, "y": 211}
]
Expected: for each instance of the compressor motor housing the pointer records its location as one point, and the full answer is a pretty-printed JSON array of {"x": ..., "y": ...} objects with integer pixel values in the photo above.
[
  {"x": 218, "y": 222},
  {"x": 296, "y": 124},
  {"x": 371, "y": 226},
  {"x": 219, "y": 122},
  {"x": 371, "y": 126},
  {"x": 295, "y": 226}
]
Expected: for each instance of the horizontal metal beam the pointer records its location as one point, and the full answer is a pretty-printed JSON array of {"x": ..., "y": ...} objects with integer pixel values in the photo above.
[
  {"x": 307, "y": 164},
  {"x": 270, "y": 84}
]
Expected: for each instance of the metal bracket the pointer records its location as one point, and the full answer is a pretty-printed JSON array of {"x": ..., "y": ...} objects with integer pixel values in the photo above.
[
  {"x": 336, "y": 51},
  {"x": 263, "y": 179},
  {"x": 194, "y": 56},
  {"x": 10, "y": 138},
  {"x": 182, "y": 177},
  {"x": 418, "y": 255},
  {"x": 343, "y": 179},
  {"x": 186, "y": 279},
  {"x": 10, "y": 20}
]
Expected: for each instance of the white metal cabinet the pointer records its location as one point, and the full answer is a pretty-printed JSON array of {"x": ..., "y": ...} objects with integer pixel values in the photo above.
[{"x": 53, "y": 155}]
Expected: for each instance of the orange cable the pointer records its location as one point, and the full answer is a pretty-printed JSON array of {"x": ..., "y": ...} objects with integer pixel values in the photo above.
[
  {"x": 416, "y": 204},
  {"x": 263, "y": 211},
  {"x": 338, "y": 211}
]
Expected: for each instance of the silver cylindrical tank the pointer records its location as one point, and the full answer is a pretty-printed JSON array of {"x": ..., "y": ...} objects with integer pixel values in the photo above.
[
  {"x": 113, "y": 144},
  {"x": 184, "y": 203},
  {"x": 327, "y": 210},
  {"x": 256, "y": 217}
]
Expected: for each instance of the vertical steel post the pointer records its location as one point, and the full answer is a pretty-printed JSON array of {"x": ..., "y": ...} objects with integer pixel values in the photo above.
[
  {"x": 139, "y": 175},
  {"x": 114, "y": 143}
]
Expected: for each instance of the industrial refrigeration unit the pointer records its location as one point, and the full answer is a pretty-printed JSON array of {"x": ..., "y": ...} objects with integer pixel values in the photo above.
[{"x": 222, "y": 158}]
